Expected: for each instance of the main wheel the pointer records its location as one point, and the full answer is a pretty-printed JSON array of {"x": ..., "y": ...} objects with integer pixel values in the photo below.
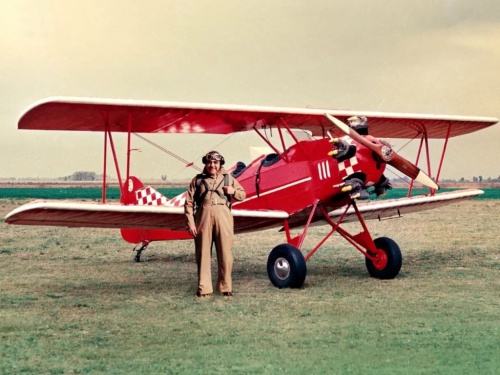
[
  {"x": 388, "y": 259},
  {"x": 286, "y": 267}
]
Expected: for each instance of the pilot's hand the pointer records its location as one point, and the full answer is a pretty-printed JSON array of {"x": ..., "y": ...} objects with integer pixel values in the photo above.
[
  {"x": 192, "y": 230},
  {"x": 229, "y": 190}
]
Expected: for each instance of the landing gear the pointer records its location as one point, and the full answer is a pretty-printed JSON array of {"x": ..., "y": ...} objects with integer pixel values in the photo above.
[
  {"x": 387, "y": 261},
  {"x": 286, "y": 267},
  {"x": 138, "y": 251}
]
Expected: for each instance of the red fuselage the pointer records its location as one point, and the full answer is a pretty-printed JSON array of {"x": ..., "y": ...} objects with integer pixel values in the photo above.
[
  {"x": 293, "y": 184},
  {"x": 309, "y": 175}
]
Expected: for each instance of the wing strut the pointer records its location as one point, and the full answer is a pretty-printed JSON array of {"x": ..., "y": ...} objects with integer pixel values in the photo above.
[
  {"x": 128, "y": 145},
  {"x": 443, "y": 153},
  {"x": 283, "y": 154},
  {"x": 108, "y": 135},
  {"x": 104, "y": 168},
  {"x": 423, "y": 139}
]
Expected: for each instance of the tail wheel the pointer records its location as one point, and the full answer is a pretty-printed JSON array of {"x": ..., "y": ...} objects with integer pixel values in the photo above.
[
  {"x": 388, "y": 259},
  {"x": 286, "y": 267}
]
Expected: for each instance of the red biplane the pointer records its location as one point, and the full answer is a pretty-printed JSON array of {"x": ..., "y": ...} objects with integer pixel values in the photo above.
[{"x": 321, "y": 180}]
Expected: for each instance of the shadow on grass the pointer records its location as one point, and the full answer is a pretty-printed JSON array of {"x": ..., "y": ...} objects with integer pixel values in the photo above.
[
  {"x": 165, "y": 258},
  {"x": 175, "y": 274},
  {"x": 339, "y": 270}
]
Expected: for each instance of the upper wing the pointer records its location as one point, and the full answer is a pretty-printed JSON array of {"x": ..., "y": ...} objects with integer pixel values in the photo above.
[
  {"x": 397, "y": 207},
  {"x": 98, "y": 215},
  {"x": 139, "y": 116}
]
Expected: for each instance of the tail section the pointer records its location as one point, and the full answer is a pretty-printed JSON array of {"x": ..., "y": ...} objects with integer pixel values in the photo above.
[{"x": 136, "y": 193}]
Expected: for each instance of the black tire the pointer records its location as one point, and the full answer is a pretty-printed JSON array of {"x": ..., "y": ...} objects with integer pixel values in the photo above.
[
  {"x": 389, "y": 267},
  {"x": 286, "y": 267}
]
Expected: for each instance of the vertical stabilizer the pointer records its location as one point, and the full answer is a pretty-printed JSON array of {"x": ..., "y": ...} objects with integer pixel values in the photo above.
[{"x": 136, "y": 193}]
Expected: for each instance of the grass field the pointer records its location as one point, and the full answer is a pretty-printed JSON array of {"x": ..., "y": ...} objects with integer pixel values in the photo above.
[{"x": 73, "y": 301}]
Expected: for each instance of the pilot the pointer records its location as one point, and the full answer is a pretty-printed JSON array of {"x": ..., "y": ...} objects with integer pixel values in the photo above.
[{"x": 209, "y": 220}]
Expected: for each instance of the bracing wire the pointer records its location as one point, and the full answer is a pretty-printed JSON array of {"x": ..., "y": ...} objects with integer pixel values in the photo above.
[{"x": 182, "y": 160}]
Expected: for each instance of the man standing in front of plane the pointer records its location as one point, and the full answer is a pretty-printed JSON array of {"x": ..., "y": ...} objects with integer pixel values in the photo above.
[{"x": 209, "y": 220}]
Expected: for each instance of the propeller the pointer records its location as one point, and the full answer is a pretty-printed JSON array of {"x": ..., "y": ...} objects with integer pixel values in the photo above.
[{"x": 385, "y": 152}]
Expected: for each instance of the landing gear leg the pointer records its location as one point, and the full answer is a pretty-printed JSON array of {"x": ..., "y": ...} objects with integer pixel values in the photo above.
[{"x": 138, "y": 251}]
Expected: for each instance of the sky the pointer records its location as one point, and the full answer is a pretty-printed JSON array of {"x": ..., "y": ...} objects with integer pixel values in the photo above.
[{"x": 416, "y": 56}]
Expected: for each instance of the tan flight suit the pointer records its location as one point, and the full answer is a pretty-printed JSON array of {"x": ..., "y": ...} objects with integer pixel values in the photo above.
[{"x": 214, "y": 222}]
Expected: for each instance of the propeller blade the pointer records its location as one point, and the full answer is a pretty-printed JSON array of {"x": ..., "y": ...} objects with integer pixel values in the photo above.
[
  {"x": 386, "y": 154},
  {"x": 350, "y": 132},
  {"x": 424, "y": 179},
  {"x": 412, "y": 171}
]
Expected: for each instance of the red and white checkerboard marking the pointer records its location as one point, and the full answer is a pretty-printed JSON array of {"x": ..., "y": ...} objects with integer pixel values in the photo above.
[
  {"x": 177, "y": 201},
  {"x": 150, "y": 197},
  {"x": 348, "y": 167}
]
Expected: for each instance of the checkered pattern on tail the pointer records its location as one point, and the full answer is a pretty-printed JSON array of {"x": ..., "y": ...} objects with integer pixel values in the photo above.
[
  {"x": 177, "y": 201},
  {"x": 150, "y": 197}
]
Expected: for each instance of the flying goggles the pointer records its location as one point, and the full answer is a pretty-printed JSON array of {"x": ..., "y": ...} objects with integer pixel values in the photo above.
[
  {"x": 210, "y": 157},
  {"x": 213, "y": 155}
]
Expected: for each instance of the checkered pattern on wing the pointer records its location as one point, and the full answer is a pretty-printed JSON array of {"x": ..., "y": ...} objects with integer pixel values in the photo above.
[
  {"x": 150, "y": 197},
  {"x": 348, "y": 167}
]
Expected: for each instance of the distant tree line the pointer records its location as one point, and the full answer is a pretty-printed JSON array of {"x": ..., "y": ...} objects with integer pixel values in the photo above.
[
  {"x": 480, "y": 179},
  {"x": 83, "y": 176}
]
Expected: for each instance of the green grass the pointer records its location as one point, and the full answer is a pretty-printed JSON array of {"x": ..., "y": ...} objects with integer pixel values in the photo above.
[
  {"x": 73, "y": 301},
  {"x": 114, "y": 193}
]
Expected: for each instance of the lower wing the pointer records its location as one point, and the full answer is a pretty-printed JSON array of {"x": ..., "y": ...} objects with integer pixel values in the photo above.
[
  {"x": 99, "y": 215},
  {"x": 385, "y": 209}
]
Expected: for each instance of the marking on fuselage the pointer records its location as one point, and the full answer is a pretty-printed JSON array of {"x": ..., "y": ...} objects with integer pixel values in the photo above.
[
  {"x": 324, "y": 170},
  {"x": 275, "y": 190},
  {"x": 348, "y": 167}
]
